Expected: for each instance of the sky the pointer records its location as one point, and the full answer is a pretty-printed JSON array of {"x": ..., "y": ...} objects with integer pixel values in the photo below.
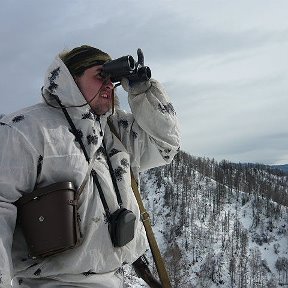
[{"x": 224, "y": 63}]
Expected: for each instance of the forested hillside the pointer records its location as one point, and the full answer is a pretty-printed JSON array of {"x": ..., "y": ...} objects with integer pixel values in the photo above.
[{"x": 219, "y": 224}]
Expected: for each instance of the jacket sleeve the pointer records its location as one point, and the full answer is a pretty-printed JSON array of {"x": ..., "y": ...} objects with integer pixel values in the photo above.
[
  {"x": 154, "y": 132},
  {"x": 17, "y": 173}
]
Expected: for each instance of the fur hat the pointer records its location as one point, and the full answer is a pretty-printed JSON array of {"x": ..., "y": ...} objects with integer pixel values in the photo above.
[{"x": 81, "y": 58}]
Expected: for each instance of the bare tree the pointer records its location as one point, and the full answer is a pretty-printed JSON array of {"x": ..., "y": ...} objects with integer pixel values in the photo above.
[{"x": 282, "y": 268}]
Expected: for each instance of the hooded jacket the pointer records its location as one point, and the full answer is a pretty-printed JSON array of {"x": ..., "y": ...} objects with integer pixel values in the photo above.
[{"x": 38, "y": 148}]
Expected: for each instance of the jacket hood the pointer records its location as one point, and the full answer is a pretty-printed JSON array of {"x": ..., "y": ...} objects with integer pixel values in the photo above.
[{"x": 60, "y": 83}]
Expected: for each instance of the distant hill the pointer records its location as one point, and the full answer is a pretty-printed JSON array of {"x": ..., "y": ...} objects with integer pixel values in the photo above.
[
  {"x": 269, "y": 168},
  {"x": 218, "y": 224},
  {"x": 282, "y": 167}
]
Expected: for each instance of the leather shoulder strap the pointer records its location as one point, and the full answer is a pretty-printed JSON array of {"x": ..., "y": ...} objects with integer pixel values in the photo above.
[{"x": 160, "y": 265}]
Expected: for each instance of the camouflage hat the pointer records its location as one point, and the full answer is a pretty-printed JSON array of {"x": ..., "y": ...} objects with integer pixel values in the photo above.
[{"x": 81, "y": 58}]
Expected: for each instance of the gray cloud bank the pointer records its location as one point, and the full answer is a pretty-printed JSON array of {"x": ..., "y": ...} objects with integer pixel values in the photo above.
[{"x": 224, "y": 63}]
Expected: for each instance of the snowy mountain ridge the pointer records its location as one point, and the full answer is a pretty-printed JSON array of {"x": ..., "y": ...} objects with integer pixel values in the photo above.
[
  {"x": 283, "y": 167},
  {"x": 211, "y": 231}
]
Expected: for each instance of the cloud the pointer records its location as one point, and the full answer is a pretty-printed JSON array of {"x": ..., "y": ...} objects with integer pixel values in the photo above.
[
  {"x": 226, "y": 76},
  {"x": 226, "y": 120}
]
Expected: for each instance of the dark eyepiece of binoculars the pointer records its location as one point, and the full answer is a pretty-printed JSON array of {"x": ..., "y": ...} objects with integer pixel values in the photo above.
[{"x": 125, "y": 67}]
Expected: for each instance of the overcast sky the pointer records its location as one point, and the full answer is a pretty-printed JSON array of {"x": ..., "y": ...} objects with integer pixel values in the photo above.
[{"x": 224, "y": 63}]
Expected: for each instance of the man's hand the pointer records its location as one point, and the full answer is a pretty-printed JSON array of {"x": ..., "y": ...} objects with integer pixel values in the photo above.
[{"x": 138, "y": 83}]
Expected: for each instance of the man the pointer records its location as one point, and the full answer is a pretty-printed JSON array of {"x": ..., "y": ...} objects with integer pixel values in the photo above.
[{"x": 39, "y": 148}]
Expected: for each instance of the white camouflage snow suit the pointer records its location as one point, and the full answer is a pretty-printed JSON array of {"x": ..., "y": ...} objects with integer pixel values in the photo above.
[{"x": 38, "y": 146}]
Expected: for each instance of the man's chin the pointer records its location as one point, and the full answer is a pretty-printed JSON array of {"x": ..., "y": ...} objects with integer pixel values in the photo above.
[{"x": 100, "y": 112}]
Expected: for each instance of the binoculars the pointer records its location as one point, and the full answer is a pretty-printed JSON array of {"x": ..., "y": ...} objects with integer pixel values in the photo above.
[{"x": 126, "y": 67}]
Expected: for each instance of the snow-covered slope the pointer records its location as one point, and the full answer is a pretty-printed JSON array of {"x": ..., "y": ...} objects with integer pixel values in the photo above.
[{"x": 212, "y": 235}]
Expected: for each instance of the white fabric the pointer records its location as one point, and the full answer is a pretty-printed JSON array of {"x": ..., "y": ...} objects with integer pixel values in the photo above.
[
  {"x": 105, "y": 280},
  {"x": 38, "y": 140}
]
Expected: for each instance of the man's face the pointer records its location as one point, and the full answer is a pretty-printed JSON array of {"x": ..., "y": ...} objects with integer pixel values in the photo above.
[{"x": 91, "y": 84}]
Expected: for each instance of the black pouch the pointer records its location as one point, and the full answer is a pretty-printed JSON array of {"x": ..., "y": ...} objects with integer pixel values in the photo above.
[
  {"x": 122, "y": 227},
  {"x": 48, "y": 218}
]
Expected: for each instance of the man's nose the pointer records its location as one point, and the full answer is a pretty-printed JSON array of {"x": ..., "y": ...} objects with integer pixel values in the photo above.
[{"x": 108, "y": 83}]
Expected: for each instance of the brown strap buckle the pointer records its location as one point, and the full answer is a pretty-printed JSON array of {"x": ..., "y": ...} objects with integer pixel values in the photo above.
[{"x": 145, "y": 216}]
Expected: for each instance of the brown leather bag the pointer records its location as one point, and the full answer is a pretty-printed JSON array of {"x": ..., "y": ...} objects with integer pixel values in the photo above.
[{"x": 48, "y": 218}]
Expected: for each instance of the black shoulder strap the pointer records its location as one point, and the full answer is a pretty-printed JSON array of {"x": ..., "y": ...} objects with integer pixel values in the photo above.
[
  {"x": 74, "y": 130},
  {"x": 93, "y": 172}
]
